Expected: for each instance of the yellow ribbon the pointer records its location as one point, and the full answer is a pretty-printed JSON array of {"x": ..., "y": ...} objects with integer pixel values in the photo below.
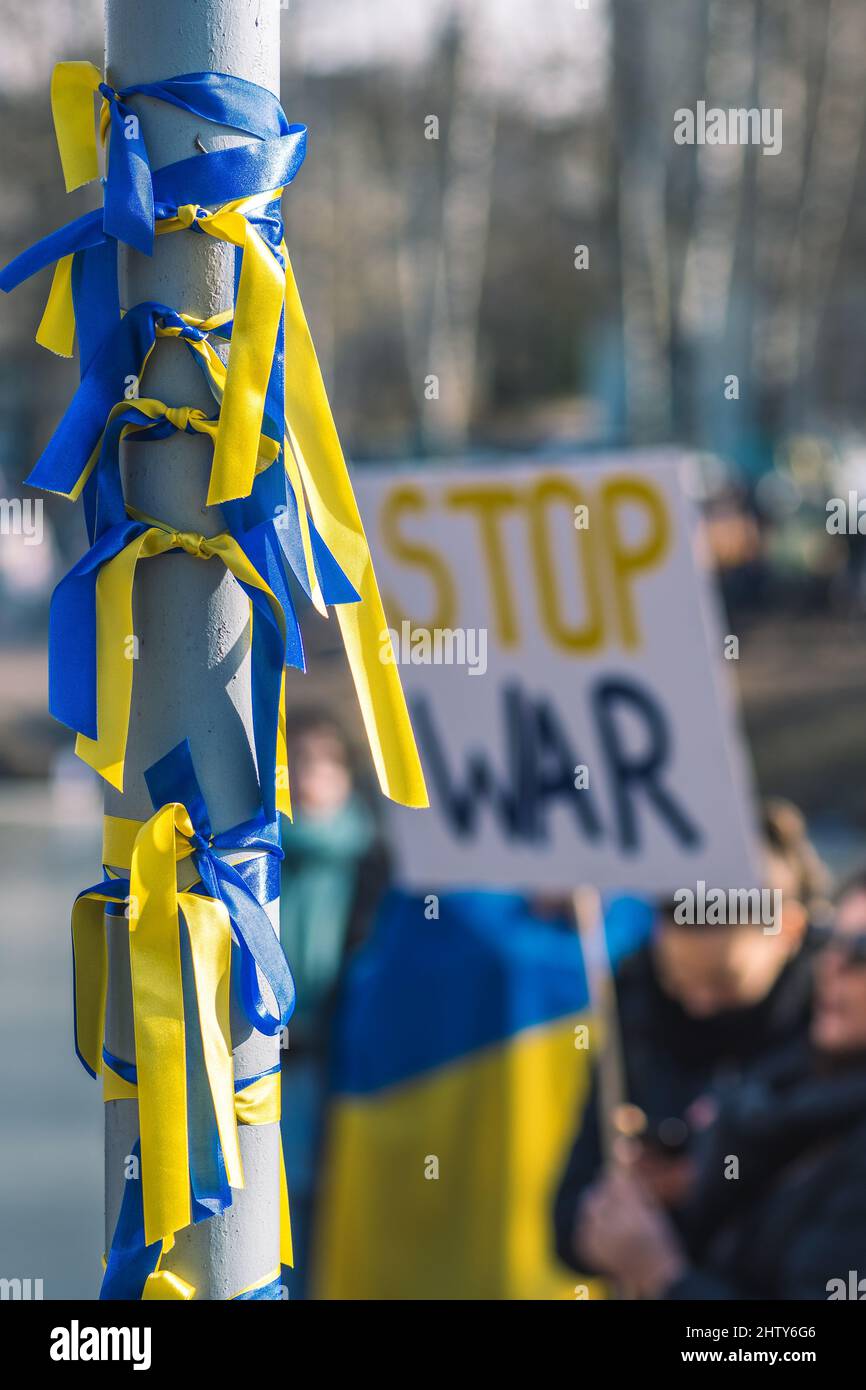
[
  {"x": 114, "y": 625},
  {"x": 313, "y": 458},
  {"x": 73, "y": 86},
  {"x": 182, "y": 417},
  {"x": 258, "y": 306},
  {"x": 258, "y": 1104},
  {"x": 158, "y": 1015},
  {"x": 90, "y": 977},
  {"x": 150, "y": 852},
  {"x": 216, "y": 372},
  {"x": 256, "y": 316},
  {"x": 89, "y": 956},
  {"x": 315, "y": 446},
  {"x": 162, "y": 1286},
  {"x": 56, "y": 330}
]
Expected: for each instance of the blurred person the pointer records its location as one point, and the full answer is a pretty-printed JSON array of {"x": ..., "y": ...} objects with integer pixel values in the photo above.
[
  {"x": 697, "y": 1004},
  {"x": 334, "y": 872},
  {"x": 735, "y": 538},
  {"x": 778, "y": 1203}
]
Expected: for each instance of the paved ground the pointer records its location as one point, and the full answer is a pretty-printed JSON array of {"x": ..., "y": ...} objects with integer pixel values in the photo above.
[{"x": 50, "y": 1110}]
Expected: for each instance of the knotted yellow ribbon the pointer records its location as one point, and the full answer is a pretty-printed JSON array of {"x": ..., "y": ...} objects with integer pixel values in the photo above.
[
  {"x": 158, "y": 1010},
  {"x": 183, "y": 417},
  {"x": 158, "y": 1013},
  {"x": 214, "y": 367},
  {"x": 256, "y": 316},
  {"x": 114, "y": 625},
  {"x": 258, "y": 307},
  {"x": 150, "y": 853},
  {"x": 313, "y": 456},
  {"x": 216, "y": 373}
]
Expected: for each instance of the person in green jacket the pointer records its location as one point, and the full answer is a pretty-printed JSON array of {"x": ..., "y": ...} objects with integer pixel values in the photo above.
[{"x": 334, "y": 872}]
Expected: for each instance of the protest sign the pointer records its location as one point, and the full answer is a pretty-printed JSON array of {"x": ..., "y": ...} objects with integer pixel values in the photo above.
[{"x": 563, "y": 658}]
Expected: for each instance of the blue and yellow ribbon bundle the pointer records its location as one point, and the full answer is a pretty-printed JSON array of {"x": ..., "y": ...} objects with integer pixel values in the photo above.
[
  {"x": 187, "y": 948},
  {"x": 281, "y": 482}
]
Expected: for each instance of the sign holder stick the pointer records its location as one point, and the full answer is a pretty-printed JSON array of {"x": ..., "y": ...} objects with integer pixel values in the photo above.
[
  {"x": 612, "y": 1094},
  {"x": 589, "y": 919}
]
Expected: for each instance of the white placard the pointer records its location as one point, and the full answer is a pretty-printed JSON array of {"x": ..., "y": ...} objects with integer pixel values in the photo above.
[{"x": 562, "y": 655}]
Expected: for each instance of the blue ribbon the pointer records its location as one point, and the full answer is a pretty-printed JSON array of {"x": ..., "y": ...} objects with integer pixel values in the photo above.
[
  {"x": 129, "y": 1261},
  {"x": 173, "y": 778},
  {"x": 216, "y": 97},
  {"x": 121, "y": 355},
  {"x": 72, "y": 646},
  {"x": 267, "y": 1293},
  {"x": 107, "y": 507},
  {"x": 243, "y": 890},
  {"x": 209, "y": 180}
]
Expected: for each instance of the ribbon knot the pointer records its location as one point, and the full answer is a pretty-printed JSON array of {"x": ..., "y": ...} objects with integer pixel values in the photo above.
[
  {"x": 172, "y": 324},
  {"x": 193, "y": 544},
  {"x": 168, "y": 924},
  {"x": 180, "y": 415},
  {"x": 187, "y": 948},
  {"x": 90, "y": 681},
  {"x": 129, "y": 202},
  {"x": 179, "y": 802},
  {"x": 190, "y": 213},
  {"x": 200, "y": 844}
]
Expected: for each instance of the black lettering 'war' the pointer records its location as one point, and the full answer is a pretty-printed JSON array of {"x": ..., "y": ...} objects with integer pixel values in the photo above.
[{"x": 539, "y": 764}]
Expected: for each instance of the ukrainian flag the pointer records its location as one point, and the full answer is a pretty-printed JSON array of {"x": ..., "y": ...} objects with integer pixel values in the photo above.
[{"x": 459, "y": 1077}]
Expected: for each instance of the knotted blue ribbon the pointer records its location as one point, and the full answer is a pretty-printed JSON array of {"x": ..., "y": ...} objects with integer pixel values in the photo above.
[
  {"x": 173, "y": 778},
  {"x": 105, "y": 507},
  {"x": 208, "y": 179},
  {"x": 123, "y": 355},
  {"x": 216, "y": 97},
  {"x": 205, "y": 180},
  {"x": 73, "y": 647},
  {"x": 260, "y": 978}
]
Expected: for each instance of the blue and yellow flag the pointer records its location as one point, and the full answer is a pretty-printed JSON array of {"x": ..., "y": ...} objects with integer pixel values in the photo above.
[{"x": 461, "y": 1068}]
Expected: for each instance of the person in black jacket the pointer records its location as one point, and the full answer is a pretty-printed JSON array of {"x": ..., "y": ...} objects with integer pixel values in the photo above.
[
  {"x": 698, "y": 1005},
  {"x": 777, "y": 1209}
]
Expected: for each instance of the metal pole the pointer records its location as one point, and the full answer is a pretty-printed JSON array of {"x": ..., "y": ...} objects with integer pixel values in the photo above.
[{"x": 192, "y": 674}]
